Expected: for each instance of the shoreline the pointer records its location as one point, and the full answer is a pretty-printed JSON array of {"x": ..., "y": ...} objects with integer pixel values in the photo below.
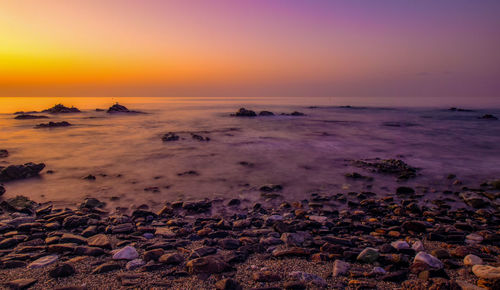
[{"x": 294, "y": 245}]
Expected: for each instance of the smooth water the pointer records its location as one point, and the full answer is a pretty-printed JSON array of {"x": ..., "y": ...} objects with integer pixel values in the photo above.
[{"x": 305, "y": 154}]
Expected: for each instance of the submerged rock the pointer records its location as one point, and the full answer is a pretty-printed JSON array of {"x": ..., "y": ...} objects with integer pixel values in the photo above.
[
  {"x": 13, "y": 172},
  {"x": 169, "y": 137},
  {"x": 61, "y": 109},
  {"x": 4, "y": 153},
  {"x": 242, "y": 112},
  {"x": 53, "y": 125},
  {"x": 30, "y": 117},
  {"x": 488, "y": 117},
  {"x": 389, "y": 166}
]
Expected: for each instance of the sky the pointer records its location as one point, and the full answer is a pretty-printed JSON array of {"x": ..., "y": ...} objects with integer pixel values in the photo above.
[{"x": 203, "y": 48}]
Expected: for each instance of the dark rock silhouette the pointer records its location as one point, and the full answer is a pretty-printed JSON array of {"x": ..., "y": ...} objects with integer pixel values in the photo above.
[
  {"x": 14, "y": 172},
  {"x": 30, "y": 117},
  {"x": 242, "y": 112},
  {"x": 4, "y": 153},
  {"x": 61, "y": 109},
  {"x": 117, "y": 108},
  {"x": 53, "y": 125},
  {"x": 488, "y": 117}
]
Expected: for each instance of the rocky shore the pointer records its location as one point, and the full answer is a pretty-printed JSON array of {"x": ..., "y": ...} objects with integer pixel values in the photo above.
[{"x": 353, "y": 241}]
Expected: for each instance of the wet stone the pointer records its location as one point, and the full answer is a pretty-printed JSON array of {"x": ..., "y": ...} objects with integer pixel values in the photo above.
[{"x": 62, "y": 270}]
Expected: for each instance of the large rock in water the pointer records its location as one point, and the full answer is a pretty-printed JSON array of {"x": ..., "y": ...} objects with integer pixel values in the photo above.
[
  {"x": 4, "y": 153},
  {"x": 13, "y": 172},
  {"x": 242, "y": 112},
  {"x": 61, "y": 109},
  {"x": 117, "y": 108},
  {"x": 53, "y": 125}
]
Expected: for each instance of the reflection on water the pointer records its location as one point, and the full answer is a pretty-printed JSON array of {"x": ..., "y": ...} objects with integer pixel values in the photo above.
[{"x": 305, "y": 154}]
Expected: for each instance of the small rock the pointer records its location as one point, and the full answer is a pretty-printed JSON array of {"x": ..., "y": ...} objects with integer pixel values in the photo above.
[
  {"x": 134, "y": 264},
  {"x": 486, "y": 272},
  {"x": 21, "y": 283},
  {"x": 340, "y": 268},
  {"x": 44, "y": 261},
  {"x": 62, "y": 270},
  {"x": 266, "y": 276},
  {"x": 400, "y": 245},
  {"x": 471, "y": 260},
  {"x": 100, "y": 240},
  {"x": 208, "y": 265},
  {"x": 242, "y": 112},
  {"x": 308, "y": 278},
  {"x": 430, "y": 260},
  {"x": 228, "y": 284},
  {"x": 171, "y": 259},
  {"x": 126, "y": 253},
  {"x": 106, "y": 267},
  {"x": 368, "y": 255}
]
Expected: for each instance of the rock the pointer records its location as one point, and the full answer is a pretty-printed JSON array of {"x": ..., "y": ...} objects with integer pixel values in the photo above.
[
  {"x": 70, "y": 238},
  {"x": 318, "y": 219},
  {"x": 200, "y": 138},
  {"x": 169, "y": 137},
  {"x": 308, "y": 278},
  {"x": 266, "y": 276},
  {"x": 92, "y": 203},
  {"x": 61, "y": 109},
  {"x": 228, "y": 284},
  {"x": 471, "y": 260},
  {"x": 398, "y": 276},
  {"x": 340, "y": 268},
  {"x": 389, "y": 166},
  {"x": 400, "y": 245},
  {"x": 430, "y": 260},
  {"x": 100, "y": 240},
  {"x": 125, "y": 253},
  {"x": 486, "y": 272},
  {"x": 14, "y": 172},
  {"x": 2, "y": 190},
  {"x": 61, "y": 248},
  {"x": 488, "y": 117},
  {"x": 418, "y": 246},
  {"x": 271, "y": 188},
  {"x": 230, "y": 244},
  {"x": 266, "y": 113},
  {"x": 368, "y": 255},
  {"x": 134, "y": 264},
  {"x": 293, "y": 251},
  {"x": 415, "y": 226},
  {"x": 62, "y": 270},
  {"x": 117, "y": 108},
  {"x": 403, "y": 190},
  {"x": 74, "y": 221},
  {"x": 153, "y": 255},
  {"x": 21, "y": 283},
  {"x": 165, "y": 232},
  {"x": 171, "y": 259},
  {"x": 295, "y": 239},
  {"x": 474, "y": 200},
  {"x": 43, "y": 261},
  {"x": 53, "y": 125},
  {"x": 121, "y": 229},
  {"x": 242, "y": 112},
  {"x": 208, "y": 265},
  {"x": 4, "y": 153},
  {"x": 473, "y": 239},
  {"x": 106, "y": 267},
  {"x": 89, "y": 251},
  {"x": 296, "y": 113},
  {"x": 30, "y": 117}
]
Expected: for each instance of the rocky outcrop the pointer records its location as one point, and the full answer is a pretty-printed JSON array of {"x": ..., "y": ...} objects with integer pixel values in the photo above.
[
  {"x": 53, "y": 125},
  {"x": 61, "y": 109},
  {"x": 13, "y": 172}
]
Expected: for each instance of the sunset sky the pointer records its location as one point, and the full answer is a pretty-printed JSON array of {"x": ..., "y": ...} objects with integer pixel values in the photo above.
[{"x": 250, "y": 48}]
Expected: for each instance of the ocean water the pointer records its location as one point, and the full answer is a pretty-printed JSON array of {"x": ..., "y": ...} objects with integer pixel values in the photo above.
[{"x": 305, "y": 154}]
